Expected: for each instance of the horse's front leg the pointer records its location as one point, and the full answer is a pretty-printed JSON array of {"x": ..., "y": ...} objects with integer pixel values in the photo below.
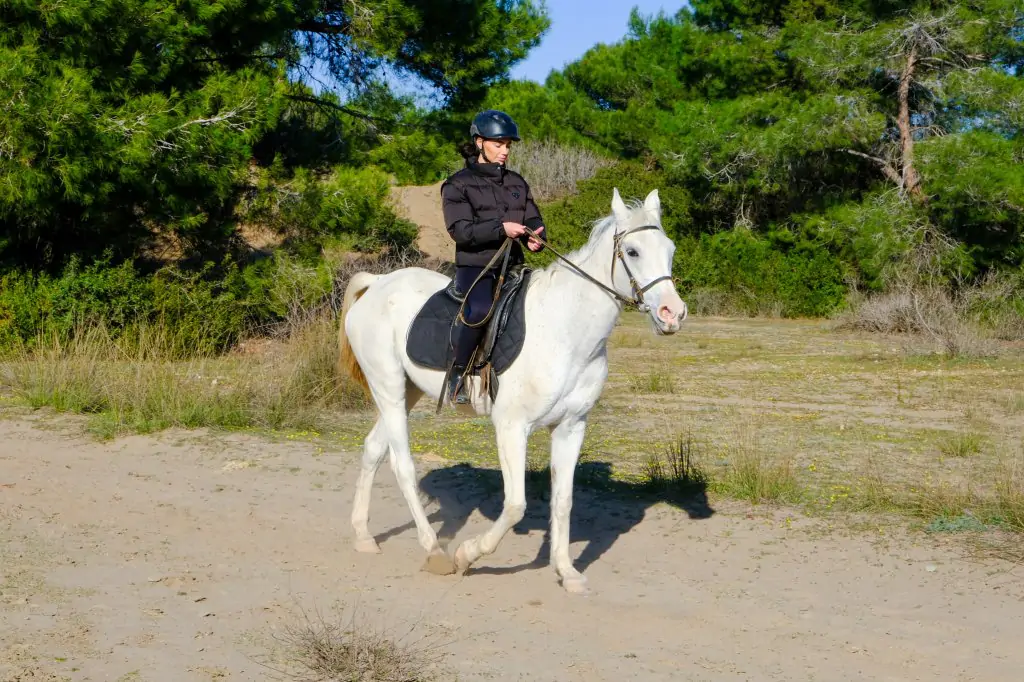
[
  {"x": 511, "y": 440},
  {"x": 566, "y": 441}
]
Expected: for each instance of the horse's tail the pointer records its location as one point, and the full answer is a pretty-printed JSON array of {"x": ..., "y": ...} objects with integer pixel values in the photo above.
[{"x": 347, "y": 362}]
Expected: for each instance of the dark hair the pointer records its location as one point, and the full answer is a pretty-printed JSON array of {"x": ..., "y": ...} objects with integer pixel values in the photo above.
[{"x": 469, "y": 151}]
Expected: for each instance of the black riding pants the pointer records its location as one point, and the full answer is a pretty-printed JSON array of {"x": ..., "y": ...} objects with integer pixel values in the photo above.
[{"x": 478, "y": 302}]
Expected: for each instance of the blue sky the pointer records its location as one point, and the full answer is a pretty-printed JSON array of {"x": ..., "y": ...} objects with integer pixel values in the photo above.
[{"x": 578, "y": 25}]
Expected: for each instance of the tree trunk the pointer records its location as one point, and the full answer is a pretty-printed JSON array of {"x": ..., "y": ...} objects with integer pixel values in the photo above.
[{"x": 911, "y": 179}]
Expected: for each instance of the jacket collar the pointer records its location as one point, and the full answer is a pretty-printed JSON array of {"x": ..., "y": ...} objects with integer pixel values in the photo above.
[{"x": 491, "y": 171}]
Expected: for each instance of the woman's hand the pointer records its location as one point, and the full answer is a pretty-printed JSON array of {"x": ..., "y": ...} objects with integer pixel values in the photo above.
[
  {"x": 514, "y": 230},
  {"x": 532, "y": 244}
]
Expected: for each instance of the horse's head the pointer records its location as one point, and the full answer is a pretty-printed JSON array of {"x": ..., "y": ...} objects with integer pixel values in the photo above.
[{"x": 642, "y": 264}]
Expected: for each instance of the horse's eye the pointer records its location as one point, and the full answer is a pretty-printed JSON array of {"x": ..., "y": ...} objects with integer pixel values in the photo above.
[{"x": 632, "y": 253}]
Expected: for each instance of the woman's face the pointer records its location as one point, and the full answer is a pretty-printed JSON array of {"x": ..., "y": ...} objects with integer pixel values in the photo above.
[{"x": 496, "y": 151}]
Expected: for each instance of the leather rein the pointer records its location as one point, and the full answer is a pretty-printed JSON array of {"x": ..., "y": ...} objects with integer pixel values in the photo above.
[{"x": 638, "y": 291}]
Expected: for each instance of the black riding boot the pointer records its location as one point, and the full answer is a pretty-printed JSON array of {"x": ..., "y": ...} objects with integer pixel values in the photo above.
[
  {"x": 455, "y": 383},
  {"x": 466, "y": 342}
]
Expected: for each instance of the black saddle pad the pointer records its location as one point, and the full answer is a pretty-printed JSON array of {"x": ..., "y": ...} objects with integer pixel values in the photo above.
[{"x": 430, "y": 341}]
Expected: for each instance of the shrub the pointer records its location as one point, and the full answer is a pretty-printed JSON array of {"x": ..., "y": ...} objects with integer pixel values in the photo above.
[
  {"x": 554, "y": 170},
  {"x": 757, "y": 277}
]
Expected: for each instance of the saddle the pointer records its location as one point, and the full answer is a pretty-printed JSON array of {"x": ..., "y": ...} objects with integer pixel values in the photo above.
[{"x": 430, "y": 344}]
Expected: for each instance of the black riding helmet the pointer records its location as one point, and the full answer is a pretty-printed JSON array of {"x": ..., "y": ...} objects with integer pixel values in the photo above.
[{"x": 493, "y": 124}]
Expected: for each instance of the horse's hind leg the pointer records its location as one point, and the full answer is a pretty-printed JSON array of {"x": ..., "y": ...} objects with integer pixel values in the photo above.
[
  {"x": 374, "y": 449},
  {"x": 393, "y": 406}
]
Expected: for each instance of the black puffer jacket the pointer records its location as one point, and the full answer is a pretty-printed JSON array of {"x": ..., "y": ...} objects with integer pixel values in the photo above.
[{"x": 476, "y": 201}]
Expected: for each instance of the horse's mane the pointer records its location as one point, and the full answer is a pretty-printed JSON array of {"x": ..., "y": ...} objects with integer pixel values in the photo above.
[{"x": 598, "y": 231}]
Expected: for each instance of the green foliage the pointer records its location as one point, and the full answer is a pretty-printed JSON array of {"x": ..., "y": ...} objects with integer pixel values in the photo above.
[
  {"x": 789, "y": 160},
  {"x": 133, "y": 117},
  {"x": 207, "y": 312},
  {"x": 346, "y": 206},
  {"x": 572, "y": 217},
  {"x": 782, "y": 126},
  {"x": 762, "y": 276},
  {"x": 783, "y": 272}
]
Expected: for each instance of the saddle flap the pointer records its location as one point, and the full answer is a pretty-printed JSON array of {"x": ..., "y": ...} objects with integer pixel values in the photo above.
[
  {"x": 429, "y": 339},
  {"x": 510, "y": 291}
]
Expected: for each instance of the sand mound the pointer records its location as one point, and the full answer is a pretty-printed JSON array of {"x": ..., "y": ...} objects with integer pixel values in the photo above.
[{"x": 422, "y": 205}]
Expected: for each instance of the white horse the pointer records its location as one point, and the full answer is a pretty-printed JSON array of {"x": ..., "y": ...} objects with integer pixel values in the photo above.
[{"x": 553, "y": 383}]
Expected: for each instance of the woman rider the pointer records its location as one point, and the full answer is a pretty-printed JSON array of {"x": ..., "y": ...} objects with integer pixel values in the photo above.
[{"x": 483, "y": 204}]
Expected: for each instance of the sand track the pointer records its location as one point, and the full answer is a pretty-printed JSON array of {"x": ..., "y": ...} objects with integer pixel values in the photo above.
[{"x": 174, "y": 557}]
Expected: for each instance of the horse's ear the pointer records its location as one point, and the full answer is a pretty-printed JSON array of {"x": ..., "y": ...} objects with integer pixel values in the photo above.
[
  {"x": 619, "y": 206},
  {"x": 653, "y": 203}
]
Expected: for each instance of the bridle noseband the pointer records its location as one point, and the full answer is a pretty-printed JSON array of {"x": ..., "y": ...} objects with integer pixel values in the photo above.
[{"x": 637, "y": 291}]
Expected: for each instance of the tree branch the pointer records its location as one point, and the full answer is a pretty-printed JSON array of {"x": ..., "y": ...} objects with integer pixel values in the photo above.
[
  {"x": 887, "y": 168},
  {"x": 324, "y": 28},
  {"x": 373, "y": 120}
]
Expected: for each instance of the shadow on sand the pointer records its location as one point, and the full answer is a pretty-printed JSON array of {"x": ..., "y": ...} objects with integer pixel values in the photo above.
[{"x": 603, "y": 508}]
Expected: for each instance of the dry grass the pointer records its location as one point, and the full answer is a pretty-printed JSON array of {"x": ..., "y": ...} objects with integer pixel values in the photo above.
[
  {"x": 1013, "y": 404},
  {"x": 134, "y": 388},
  {"x": 655, "y": 381},
  {"x": 757, "y": 476},
  {"x": 679, "y": 468},
  {"x": 316, "y": 650},
  {"x": 554, "y": 169},
  {"x": 980, "y": 498},
  {"x": 284, "y": 376},
  {"x": 962, "y": 444}
]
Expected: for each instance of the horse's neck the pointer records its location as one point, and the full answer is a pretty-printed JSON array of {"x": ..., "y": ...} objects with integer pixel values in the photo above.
[{"x": 577, "y": 308}]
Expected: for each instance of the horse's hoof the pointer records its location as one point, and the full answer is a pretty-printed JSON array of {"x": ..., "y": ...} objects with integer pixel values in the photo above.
[
  {"x": 575, "y": 585},
  {"x": 461, "y": 562},
  {"x": 367, "y": 546},
  {"x": 439, "y": 563}
]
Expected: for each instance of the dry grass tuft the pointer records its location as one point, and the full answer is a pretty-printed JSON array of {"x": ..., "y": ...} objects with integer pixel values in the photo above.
[
  {"x": 679, "y": 468},
  {"x": 754, "y": 475},
  {"x": 318, "y": 651},
  {"x": 963, "y": 444},
  {"x": 655, "y": 381},
  {"x": 1013, "y": 404}
]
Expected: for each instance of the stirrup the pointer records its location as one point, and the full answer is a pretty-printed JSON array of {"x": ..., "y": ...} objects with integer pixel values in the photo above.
[{"x": 456, "y": 389}]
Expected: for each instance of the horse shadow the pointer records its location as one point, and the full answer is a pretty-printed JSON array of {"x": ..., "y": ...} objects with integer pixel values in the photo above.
[{"x": 603, "y": 508}]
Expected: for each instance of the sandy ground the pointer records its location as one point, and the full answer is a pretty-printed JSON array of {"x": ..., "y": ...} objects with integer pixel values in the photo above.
[
  {"x": 177, "y": 557},
  {"x": 422, "y": 205}
]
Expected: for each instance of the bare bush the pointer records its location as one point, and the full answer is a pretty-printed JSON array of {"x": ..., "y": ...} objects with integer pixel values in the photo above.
[
  {"x": 932, "y": 312},
  {"x": 924, "y": 298},
  {"x": 320, "y": 651},
  {"x": 553, "y": 169}
]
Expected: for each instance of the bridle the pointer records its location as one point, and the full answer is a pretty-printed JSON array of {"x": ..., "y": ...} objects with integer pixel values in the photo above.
[{"x": 636, "y": 290}]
